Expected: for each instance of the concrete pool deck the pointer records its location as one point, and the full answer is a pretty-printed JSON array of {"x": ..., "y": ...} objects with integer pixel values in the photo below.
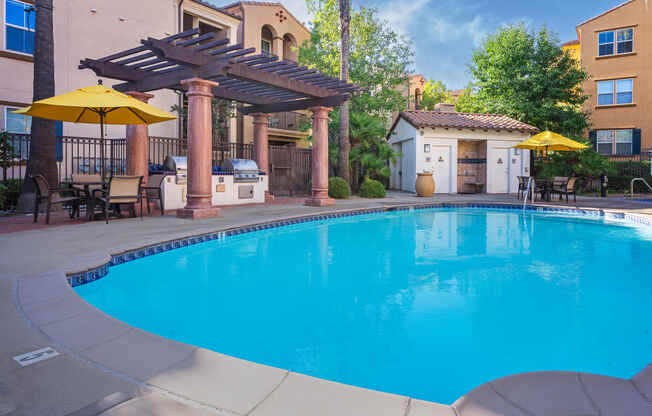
[{"x": 100, "y": 356}]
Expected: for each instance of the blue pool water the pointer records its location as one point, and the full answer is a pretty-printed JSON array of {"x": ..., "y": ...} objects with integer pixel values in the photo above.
[{"x": 428, "y": 303}]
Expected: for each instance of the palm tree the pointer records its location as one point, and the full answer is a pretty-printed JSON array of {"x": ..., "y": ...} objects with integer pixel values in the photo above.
[
  {"x": 42, "y": 152},
  {"x": 343, "y": 167}
]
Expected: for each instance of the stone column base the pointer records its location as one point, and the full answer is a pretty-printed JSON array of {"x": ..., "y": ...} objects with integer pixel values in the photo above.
[
  {"x": 268, "y": 196},
  {"x": 196, "y": 213},
  {"x": 319, "y": 202}
]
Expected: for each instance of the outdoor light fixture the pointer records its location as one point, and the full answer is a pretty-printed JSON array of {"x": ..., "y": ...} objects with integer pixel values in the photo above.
[
  {"x": 93, "y": 10},
  {"x": 122, "y": 19}
]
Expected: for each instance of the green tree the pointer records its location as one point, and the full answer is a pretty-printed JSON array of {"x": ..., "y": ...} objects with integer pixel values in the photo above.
[
  {"x": 524, "y": 74},
  {"x": 468, "y": 102},
  {"x": 379, "y": 61},
  {"x": 343, "y": 166},
  {"x": 371, "y": 153},
  {"x": 435, "y": 92}
]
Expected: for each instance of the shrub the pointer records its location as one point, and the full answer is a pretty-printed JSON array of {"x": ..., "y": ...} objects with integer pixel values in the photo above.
[
  {"x": 10, "y": 193},
  {"x": 371, "y": 188},
  {"x": 338, "y": 188}
]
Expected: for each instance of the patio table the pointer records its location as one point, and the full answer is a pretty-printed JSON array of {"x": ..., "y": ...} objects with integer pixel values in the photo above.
[
  {"x": 545, "y": 187},
  {"x": 90, "y": 198}
]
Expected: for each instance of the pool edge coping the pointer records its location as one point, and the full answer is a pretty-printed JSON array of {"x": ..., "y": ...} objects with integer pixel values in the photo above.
[{"x": 132, "y": 254}]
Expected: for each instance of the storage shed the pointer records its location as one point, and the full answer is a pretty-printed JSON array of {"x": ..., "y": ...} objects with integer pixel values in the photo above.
[{"x": 466, "y": 152}]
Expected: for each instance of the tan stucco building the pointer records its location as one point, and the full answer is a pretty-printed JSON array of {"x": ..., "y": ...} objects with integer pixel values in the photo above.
[
  {"x": 612, "y": 47},
  {"x": 93, "y": 28}
]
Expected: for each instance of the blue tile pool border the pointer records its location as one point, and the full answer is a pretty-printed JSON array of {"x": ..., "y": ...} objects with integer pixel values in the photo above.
[{"x": 82, "y": 277}]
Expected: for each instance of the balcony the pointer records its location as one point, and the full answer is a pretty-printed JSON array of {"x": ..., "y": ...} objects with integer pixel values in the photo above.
[{"x": 292, "y": 121}]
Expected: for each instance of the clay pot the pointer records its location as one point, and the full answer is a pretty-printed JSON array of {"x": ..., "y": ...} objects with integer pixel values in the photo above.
[{"x": 425, "y": 185}]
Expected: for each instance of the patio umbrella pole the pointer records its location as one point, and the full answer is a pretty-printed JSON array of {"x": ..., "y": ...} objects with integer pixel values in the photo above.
[{"x": 101, "y": 112}]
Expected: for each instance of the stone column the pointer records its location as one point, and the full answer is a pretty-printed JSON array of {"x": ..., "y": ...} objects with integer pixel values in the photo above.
[
  {"x": 138, "y": 143},
  {"x": 320, "y": 158},
  {"x": 261, "y": 146},
  {"x": 261, "y": 142},
  {"x": 200, "y": 148}
]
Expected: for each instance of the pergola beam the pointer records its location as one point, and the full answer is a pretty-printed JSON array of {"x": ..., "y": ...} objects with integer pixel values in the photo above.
[{"x": 331, "y": 101}]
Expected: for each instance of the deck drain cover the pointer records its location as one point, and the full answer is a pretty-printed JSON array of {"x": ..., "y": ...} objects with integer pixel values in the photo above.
[{"x": 35, "y": 356}]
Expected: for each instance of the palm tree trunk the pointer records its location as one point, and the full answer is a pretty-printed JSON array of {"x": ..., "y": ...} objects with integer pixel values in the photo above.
[
  {"x": 42, "y": 152},
  {"x": 343, "y": 167}
]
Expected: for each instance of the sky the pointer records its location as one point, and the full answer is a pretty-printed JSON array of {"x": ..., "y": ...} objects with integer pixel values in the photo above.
[{"x": 444, "y": 33}]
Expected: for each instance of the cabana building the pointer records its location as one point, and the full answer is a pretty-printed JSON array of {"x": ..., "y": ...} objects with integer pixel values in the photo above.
[{"x": 466, "y": 153}]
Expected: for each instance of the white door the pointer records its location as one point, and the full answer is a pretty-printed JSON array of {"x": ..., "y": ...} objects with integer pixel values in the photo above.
[
  {"x": 438, "y": 161},
  {"x": 498, "y": 170},
  {"x": 408, "y": 168}
]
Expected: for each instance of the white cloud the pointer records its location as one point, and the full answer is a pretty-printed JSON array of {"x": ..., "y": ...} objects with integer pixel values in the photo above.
[
  {"x": 444, "y": 31},
  {"x": 401, "y": 15}
]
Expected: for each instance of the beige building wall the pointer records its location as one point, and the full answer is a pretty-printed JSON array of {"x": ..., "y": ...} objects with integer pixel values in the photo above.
[
  {"x": 287, "y": 34},
  {"x": 92, "y": 29},
  {"x": 636, "y": 65}
]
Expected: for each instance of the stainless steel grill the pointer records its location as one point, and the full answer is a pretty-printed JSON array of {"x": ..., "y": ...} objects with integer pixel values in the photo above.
[{"x": 244, "y": 170}]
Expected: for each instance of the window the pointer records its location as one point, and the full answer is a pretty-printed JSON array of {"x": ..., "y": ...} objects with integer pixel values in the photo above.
[
  {"x": 615, "y": 142},
  {"x": 614, "y": 42},
  {"x": 605, "y": 43},
  {"x": 605, "y": 142},
  {"x": 17, "y": 123},
  {"x": 623, "y": 142},
  {"x": 624, "y": 89},
  {"x": 625, "y": 41},
  {"x": 266, "y": 46},
  {"x": 605, "y": 92},
  {"x": 19, "y": 26},
  {"x": 619, "y": 91}
]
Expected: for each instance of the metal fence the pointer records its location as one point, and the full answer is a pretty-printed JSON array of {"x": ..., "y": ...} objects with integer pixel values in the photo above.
[
  {"x": 289, "y": 169},
  {"x": 636, "y": 166},
  {"x": 73, "y": 154}
]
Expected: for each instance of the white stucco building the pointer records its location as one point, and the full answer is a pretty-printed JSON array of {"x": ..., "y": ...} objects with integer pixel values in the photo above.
[{"x": 465, "y": 152}]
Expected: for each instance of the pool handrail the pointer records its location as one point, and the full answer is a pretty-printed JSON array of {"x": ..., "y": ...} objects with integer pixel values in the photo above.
[{"x": 631, "y": 193}]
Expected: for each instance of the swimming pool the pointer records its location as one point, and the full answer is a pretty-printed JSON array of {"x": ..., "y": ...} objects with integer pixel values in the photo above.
[{"x": 427, "y": 303}]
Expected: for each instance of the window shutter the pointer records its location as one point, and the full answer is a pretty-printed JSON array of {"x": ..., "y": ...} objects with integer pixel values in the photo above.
[
  {"x": 636, "y": 142},
  {"x": 58, "y": 128},
  {"x": 593, "y": 137}
]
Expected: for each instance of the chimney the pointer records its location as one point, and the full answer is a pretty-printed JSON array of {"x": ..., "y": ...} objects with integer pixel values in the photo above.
[{"x": 445, "y": 108}]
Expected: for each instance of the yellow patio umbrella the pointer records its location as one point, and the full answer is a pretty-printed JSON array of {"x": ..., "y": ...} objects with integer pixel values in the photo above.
[
  {"x": 548, "y": 140},
  {"x": 96, "y": 105}
]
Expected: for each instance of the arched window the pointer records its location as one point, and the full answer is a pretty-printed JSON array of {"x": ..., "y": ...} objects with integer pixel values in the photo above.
[
  {"x": 290, "y": 48},
  {"x": 417, "y": 99},
  {"x": 267, "y": 35}
]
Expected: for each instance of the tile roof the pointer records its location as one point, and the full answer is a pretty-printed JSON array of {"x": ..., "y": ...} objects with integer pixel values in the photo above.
[
  {"x": 263, "y": 3},
  {"x": 217, "y": 9},
  {"x": 421, "y": 119},
  {"x": 571, "y": 43}
]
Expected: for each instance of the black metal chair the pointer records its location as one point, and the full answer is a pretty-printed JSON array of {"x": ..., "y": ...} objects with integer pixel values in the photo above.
[
  {"x": 53, "y": 196},
  {"x": 122, "y": 190},
  {"x": 153, "y": 191}
]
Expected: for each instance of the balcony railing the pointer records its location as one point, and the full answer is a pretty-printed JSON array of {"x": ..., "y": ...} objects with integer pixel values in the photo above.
[{"x": 287, "y": 121}]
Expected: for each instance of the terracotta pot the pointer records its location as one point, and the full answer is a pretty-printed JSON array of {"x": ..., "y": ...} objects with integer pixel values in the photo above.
[{"x": 425, "y": 184}]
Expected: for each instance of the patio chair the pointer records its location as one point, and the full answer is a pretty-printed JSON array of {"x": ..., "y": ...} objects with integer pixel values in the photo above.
[
  {"x": 153, "y": 191},
  {"x": 568, "y": 189},
  {"x": 53, "y": 196},
  {"x": 122, "y": 190}
]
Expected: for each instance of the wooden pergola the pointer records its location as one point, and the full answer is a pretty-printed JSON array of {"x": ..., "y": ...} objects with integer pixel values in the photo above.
[{"x": 204, "y": 67}]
